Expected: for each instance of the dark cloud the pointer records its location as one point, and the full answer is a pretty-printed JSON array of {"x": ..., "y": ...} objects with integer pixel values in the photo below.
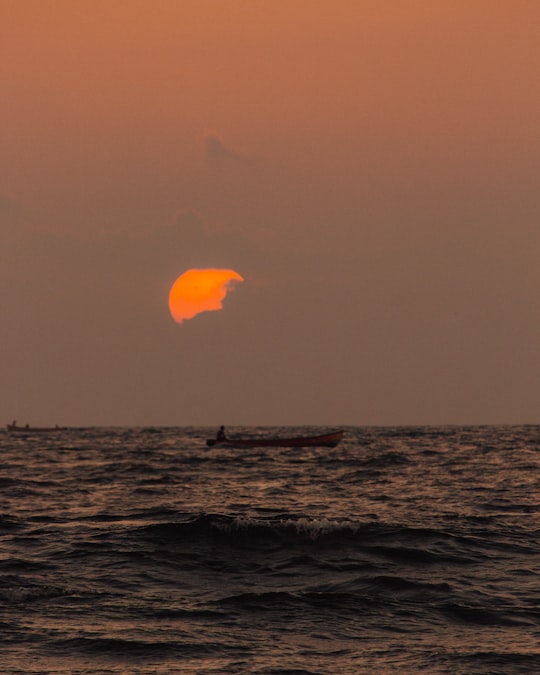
[{"x": 217, "y": 151}]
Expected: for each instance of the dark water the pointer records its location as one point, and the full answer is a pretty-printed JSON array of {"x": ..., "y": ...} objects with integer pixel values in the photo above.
[{"x": 403, "y": 550}]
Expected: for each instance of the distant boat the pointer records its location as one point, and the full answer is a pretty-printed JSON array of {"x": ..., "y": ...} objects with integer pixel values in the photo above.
[
  {"x": 328, "y": 440},
  {"x": 15, "y": 428}
]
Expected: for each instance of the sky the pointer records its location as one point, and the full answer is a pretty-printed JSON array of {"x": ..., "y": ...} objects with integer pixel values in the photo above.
[{"x": 370, "y": 169}]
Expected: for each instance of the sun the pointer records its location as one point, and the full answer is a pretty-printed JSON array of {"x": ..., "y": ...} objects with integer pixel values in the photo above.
[{"x": 200, "y": 290}]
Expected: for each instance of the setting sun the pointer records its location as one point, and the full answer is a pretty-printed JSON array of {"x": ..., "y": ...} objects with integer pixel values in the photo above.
[{"x": 198, "y": 291}]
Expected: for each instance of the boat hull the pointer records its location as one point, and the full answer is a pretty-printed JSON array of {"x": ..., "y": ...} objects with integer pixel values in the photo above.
[
  {"x": 14, "y": 429},
  {"x": 329, "y": 440}
]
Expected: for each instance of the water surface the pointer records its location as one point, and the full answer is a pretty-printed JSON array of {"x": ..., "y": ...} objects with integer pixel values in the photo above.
[{"x": 140, "y": 550}]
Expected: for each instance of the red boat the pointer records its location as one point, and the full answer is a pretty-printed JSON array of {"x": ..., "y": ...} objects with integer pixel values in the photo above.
[{"x": 328, "y": 440}]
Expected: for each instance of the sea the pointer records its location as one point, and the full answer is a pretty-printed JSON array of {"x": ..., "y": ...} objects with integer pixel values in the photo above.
[{"x": 141, "y": 550}]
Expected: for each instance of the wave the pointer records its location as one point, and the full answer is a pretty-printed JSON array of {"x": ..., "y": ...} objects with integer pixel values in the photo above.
[
  {"x": 244, "y": 528},
  {"x": 15, "y": 591},
  {"x": 9, "y": 523},
  {"x": 404, "y": 602},
  {"x": 483, "y": 616},
  {"x": 135, "y": 648},
  {"x": 301, "y": 542},
  {"x": 494, "y": 661}
]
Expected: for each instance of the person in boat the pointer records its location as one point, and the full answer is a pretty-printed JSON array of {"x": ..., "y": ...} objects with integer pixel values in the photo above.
[{"x": 220, "y": 436}]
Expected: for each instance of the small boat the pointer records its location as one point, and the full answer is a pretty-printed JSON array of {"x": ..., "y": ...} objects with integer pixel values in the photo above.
[
  {"x": 27, "y": 429},
  {"x": 328, "y": 440}
]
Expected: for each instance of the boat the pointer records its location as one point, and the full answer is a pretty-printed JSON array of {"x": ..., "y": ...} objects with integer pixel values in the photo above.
[
  {"x": 327, "y": 440},
  {"x": 27, "y": 429}
]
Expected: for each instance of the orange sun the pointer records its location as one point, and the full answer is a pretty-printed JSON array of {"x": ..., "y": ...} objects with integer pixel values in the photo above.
[{"x": 198, "y": 291}]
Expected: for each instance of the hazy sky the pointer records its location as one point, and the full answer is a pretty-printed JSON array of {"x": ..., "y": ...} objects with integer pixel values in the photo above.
[{"x": 371, "y": 169}]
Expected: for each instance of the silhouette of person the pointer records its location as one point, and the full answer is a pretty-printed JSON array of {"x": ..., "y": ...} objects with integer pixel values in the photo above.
[{"x": 221, "y": 433}]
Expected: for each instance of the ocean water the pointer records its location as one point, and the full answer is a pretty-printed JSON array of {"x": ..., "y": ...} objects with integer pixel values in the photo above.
[{"x": 403, "y": 550}]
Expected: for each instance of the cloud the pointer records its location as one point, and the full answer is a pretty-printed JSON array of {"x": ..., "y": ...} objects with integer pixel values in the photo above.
[{"x": 217, "y": 151}]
